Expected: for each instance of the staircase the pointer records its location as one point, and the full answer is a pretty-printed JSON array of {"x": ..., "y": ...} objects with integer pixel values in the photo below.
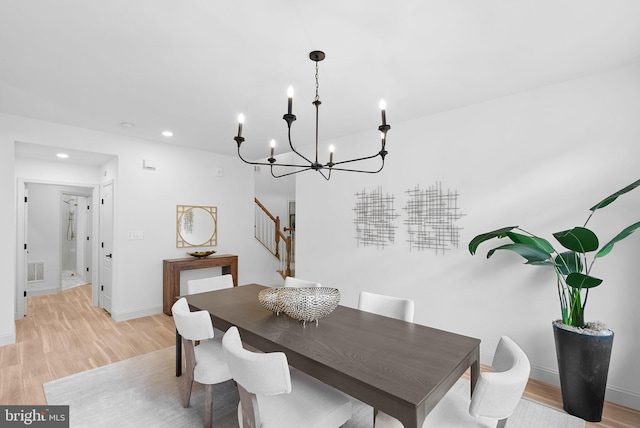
[{"x": 268, "y": 232}]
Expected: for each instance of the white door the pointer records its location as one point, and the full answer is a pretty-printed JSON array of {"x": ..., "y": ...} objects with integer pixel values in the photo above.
[
  {"x": 106, "y": 245},
  {"x": 88, "y": 259},
  {"x": 21, "y": 291}
]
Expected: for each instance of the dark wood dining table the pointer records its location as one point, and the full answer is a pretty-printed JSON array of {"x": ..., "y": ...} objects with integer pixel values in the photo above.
[{"x": 397, "y": 367}]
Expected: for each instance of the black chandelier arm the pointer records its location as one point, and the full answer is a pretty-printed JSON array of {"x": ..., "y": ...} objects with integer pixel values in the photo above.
[
  {"x": 360, "y": 170},
  {"x": 326, "y": 177},
  {"x": 291, "y": 143},
  {"x": 382, "y": 153},
  {"x": 288, "y": 173},
  {"x": 267, "y": 163}
]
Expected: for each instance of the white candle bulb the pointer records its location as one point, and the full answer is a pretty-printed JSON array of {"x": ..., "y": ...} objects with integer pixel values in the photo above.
[
  {"x": 383, "y": 106},
  {"x": 290, "y": 99},
  {"x": 240, "y": 122}
]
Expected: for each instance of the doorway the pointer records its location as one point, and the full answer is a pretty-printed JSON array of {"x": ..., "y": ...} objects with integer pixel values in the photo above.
[
  {"x": 56, "y": 230},
  {"x": 75, "y": 251}
]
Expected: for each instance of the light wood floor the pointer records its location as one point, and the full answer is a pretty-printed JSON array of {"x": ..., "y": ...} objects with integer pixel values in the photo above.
[{"x": 63, "y": 334}]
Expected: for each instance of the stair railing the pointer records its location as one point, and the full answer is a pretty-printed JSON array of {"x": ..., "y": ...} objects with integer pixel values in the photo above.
[{"x": 267, "y": 231}]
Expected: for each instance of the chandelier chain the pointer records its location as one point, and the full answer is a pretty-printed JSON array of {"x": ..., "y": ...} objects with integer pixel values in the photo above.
[{"x": 317, "y": 84}]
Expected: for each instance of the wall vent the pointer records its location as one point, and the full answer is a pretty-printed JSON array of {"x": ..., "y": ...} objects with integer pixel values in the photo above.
[{"x": 35, "y": 271}]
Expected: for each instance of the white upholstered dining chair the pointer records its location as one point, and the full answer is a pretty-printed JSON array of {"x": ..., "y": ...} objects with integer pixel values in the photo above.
[
  {"x": 273, "y": 395},
  {"x": 388, "y": 306},
  {"x": 209, "y": 284},
  {"x": 212, "y": 283},
  {"x": 297, "y": 282},
  {"x": 495, "y": 397},
  {"x": 205, "y": 363}
]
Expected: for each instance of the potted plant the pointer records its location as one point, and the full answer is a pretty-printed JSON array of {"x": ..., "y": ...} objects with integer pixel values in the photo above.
[{"x": 583, "y": 349}]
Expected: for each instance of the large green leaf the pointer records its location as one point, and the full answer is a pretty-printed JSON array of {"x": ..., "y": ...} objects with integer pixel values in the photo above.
[
  {"x": 541, "y": 263},
  {"x": 532, "y": 253},
  {"x": 579, "y": 280},
  {"x": 578, "y": 239},
  {"x": 568, "y": 262},
  {"x": 606, "y": 201},
  {"x": 541, "y": 243},
  {"x": 500, "y": 233},
  {"x": 606, "y": 249}
]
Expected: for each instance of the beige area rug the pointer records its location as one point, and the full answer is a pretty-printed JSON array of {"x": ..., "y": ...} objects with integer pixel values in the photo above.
[{"x": 144, "y": 392}]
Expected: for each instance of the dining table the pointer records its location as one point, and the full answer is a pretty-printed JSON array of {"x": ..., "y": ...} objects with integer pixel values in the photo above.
[{"x": 398, "y": 367}]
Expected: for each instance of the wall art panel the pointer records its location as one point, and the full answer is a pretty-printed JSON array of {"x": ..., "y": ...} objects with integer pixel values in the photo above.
[
  {"x": 375, "y": 217},
  {"x": 431, "y": 218}
]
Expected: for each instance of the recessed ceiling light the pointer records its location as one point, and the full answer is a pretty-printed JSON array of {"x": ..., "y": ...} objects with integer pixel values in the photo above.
[
  {"x": 167, "y": 133},
  {"x": 62, "y": 155}
]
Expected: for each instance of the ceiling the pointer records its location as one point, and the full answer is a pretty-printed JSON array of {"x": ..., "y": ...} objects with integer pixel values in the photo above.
[{"x": 192, "y": 66}]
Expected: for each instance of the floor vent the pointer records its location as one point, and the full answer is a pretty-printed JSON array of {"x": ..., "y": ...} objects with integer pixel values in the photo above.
[{"x": 35, "y": 271}]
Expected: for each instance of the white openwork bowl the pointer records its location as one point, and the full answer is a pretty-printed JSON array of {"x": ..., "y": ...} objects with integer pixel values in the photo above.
[
  {"x": 309, "y": 303},
  {"x": 269, "y": 299}
]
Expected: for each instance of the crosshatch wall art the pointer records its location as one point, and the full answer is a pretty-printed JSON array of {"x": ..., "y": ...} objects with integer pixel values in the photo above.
[
  {"x": 431, "y": 219},
  {"x": 375, "y": 217}
]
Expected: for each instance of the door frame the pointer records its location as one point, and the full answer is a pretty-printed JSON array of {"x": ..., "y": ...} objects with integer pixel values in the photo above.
[
  {"x": 21, "y": 259},
  {"x": 100, "y": 300}
]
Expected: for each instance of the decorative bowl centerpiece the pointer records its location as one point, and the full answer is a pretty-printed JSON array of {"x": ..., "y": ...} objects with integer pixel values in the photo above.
[
  {"x": 201, "y": 254},
  {"x": 304, "y": 304},
  {"x": 269, "y": 298}
]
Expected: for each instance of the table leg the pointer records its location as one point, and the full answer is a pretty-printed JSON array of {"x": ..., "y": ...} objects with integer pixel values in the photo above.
[
  {"x": 178, "y": 354},
  {"x": 475, "y": 370}
]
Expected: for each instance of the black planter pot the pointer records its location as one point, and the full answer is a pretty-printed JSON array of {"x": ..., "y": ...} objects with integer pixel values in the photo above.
[{"x": 583, "y": 363}]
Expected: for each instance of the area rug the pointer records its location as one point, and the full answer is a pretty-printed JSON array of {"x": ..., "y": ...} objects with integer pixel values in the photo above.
[{"x": 144, "y": 391}]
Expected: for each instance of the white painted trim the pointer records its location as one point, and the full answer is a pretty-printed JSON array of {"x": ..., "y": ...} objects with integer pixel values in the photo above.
[
  {"x": 623, "y": 397},
  {"x": 125, "y": 316},
  {"x": 42, "y": 292},
  {"x": 8, "y": 339}
]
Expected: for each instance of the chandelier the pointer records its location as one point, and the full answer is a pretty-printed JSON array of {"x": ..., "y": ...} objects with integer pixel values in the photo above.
[{"x": 304, "y": 163}]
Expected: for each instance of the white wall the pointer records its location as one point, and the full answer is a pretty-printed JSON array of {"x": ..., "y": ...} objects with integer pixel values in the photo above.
[
  {"x": 144, "y": 201},
  {"x": 540, "y": 160},
  {"x": 8, "y": 245}
]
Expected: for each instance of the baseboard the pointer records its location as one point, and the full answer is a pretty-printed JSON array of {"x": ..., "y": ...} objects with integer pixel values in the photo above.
[
  {"x": 8, "y": 339},
  {"x": 125, "y": 316},
  {"x": 42, "y": 291},
  {"x": 545, "y": 375},
  {"x": 623, "y": 397}
]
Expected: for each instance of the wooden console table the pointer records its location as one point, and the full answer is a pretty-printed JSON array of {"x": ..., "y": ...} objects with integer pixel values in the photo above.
[{"x": 171, "y": 274}]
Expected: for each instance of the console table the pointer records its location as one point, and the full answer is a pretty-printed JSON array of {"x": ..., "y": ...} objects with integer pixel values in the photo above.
[{"x": 171, "y": 274}]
